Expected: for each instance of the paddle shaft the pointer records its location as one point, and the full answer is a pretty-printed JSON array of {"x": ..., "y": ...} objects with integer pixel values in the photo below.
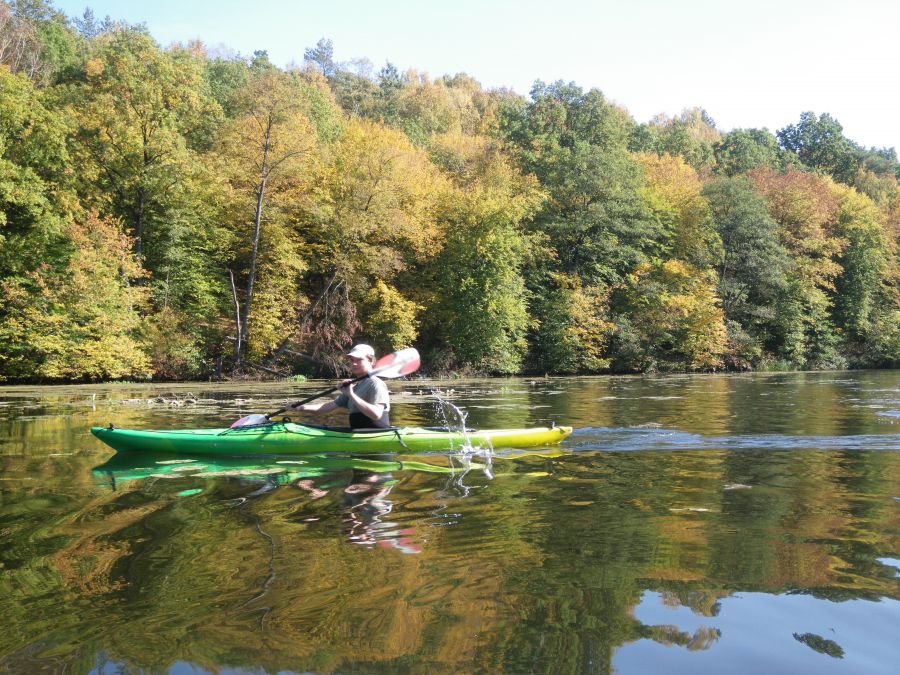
[{"x": 319, "y": 395}]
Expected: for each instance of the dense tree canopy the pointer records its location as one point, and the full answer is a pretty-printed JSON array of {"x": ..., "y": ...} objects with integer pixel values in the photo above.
[{"x": 172, "y": 213}]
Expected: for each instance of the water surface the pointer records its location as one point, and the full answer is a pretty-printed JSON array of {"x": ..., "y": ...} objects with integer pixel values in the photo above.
[{"x": 735, "y": 523}]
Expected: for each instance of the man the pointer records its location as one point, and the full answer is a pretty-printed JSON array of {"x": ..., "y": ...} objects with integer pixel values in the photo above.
[{"x": 368, "y": 400}]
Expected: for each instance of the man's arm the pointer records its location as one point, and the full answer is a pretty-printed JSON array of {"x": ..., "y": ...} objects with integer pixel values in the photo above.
[{"x": 328, "y": 406}]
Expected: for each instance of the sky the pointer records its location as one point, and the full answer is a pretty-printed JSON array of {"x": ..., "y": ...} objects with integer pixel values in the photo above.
[{"x": 748, "y": 63}]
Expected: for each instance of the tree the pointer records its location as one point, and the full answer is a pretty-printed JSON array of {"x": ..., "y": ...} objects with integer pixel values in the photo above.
[
  {"x": 390, "y": 319},
  {"x": 820, "y": 144},
  {"x": 805, "y": 207},
  {"x": 669, "y": 319},
  {"x": 79, "y": 321},
  {"x": 864, "y": 264},
  {"x": 673, "y": 193},
  {"x": 20, "y": 48},
  {"x": 753, "y": 269},
  {"x": 34, "y": 164},
  {"x": 87, "y": 24},
  {"x": 134, "y": 108},
  {"x": 384, "y": 193},
  {"x": 478, "y": 316},
  {"x": 380, "y": 224},
  {"x": 690, "y": 135},
  {"x": 596, "y": 225},
  {"x": 390, "y": 83},
  {"x": 322, "y": 57},
  {"x": 879, "y": 187},
  {"x": 269, "y": 147},
  {"x": 575, "y": 330},
  {"x": 226, "y": 77},
  {"x": 741, "y": 150},
  {"x": 356, "y": 90},
  {"x": 141, "y": 117},
  {"x": 575, "y": 143}
]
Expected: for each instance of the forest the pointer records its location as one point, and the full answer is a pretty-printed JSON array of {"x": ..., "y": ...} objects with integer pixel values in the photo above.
[{"x": 176, "y": 212}]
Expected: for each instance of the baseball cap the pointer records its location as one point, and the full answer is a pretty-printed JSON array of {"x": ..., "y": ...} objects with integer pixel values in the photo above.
[{"x": 361, "y": 351}]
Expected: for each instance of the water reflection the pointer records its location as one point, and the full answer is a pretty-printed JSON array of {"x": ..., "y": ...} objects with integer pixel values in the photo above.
[
  {"x": 739, "y": 524},
  {"x": 363, "y": 484},
  {"x": 125, "y": 467}
]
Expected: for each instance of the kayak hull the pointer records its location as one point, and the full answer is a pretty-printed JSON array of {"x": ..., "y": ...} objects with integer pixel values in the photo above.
[{"x": 297, "y": 439}]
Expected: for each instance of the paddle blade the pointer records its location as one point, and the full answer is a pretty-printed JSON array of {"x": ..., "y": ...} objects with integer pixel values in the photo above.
[
  {"x": 250, "y": 420},
  {"x": 398, "y": 364}
]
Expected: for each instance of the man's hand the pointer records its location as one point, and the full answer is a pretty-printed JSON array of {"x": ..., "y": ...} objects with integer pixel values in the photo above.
[{"x": 296, "y": 406}]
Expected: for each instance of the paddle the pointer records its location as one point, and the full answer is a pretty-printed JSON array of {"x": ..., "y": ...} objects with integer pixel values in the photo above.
[{"x": 398, "y": 364}]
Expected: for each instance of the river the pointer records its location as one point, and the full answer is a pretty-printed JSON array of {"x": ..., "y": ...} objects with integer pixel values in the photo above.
[{"x": 691, "y": 524}]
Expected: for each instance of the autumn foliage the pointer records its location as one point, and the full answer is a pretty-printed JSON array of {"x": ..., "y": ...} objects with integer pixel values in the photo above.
[{"x": 169, "y": 213}]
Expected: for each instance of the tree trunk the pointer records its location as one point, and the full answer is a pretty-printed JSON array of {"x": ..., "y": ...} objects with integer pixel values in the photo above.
[
  {"x": 251, "y": 278},
  {"x": 141, "y": 196},
  {"x": 260, "y": 196},
  {"x": 237, "y": 322},
  {"x": 139, "y": 221}
]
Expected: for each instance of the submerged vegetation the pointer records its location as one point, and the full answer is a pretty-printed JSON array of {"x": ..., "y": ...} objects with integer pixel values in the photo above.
[{"x": 178, "y": 213}]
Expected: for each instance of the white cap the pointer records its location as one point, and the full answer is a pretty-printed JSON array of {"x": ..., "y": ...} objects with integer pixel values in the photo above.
[{"x": 361, "y": 351}]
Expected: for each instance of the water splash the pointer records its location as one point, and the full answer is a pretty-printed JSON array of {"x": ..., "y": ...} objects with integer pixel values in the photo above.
[{"x": 454, "y": 418}]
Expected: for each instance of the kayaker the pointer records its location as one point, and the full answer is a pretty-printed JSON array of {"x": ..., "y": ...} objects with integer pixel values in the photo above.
[{"x": 368, "y": 401}]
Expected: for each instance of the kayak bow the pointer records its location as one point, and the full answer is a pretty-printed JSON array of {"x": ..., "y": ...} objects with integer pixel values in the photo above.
[{"x": 297, "y": 439}]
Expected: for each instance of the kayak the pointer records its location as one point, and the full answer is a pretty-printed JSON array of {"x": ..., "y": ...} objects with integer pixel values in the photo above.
[{"x": 299, "y": 439}]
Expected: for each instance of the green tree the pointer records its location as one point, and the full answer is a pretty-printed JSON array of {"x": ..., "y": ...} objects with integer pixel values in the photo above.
[
  {"x": 820, "y": 143},
  {"x": 864, "y": 264},
  {"x": 390, "y": 83},
  {"x": 752, "y": 273},
  {"x": 134, "y": 108},
  {"x": 322, "y": 57},
  {"x": 478, "y": 317},
  {"x": 356, "y": 90},
  {"x": 575, "y": 143},
  {"x": 34, "y": 163},
  {"x": 89, "y": 27},
  {"x": 670, "y": 319},
  {"x": 691, "y": 135},
  {"x": 596, "y": 223},
  {"x": 805, "y": 207},
  {"x": 741, "y": 150},
  {"x": 142, "y": 116},
  {"x": 226, "y": 77}
]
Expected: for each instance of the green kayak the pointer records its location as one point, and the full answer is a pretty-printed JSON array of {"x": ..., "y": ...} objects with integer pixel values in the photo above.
[{"x": 286, "y": 438}]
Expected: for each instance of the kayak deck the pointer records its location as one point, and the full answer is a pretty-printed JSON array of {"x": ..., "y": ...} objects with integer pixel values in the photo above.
[{"x": 288, "y": 438}]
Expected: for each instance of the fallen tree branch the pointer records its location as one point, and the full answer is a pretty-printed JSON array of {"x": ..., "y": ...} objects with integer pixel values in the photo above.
[{"x": 268, "y": 370}]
